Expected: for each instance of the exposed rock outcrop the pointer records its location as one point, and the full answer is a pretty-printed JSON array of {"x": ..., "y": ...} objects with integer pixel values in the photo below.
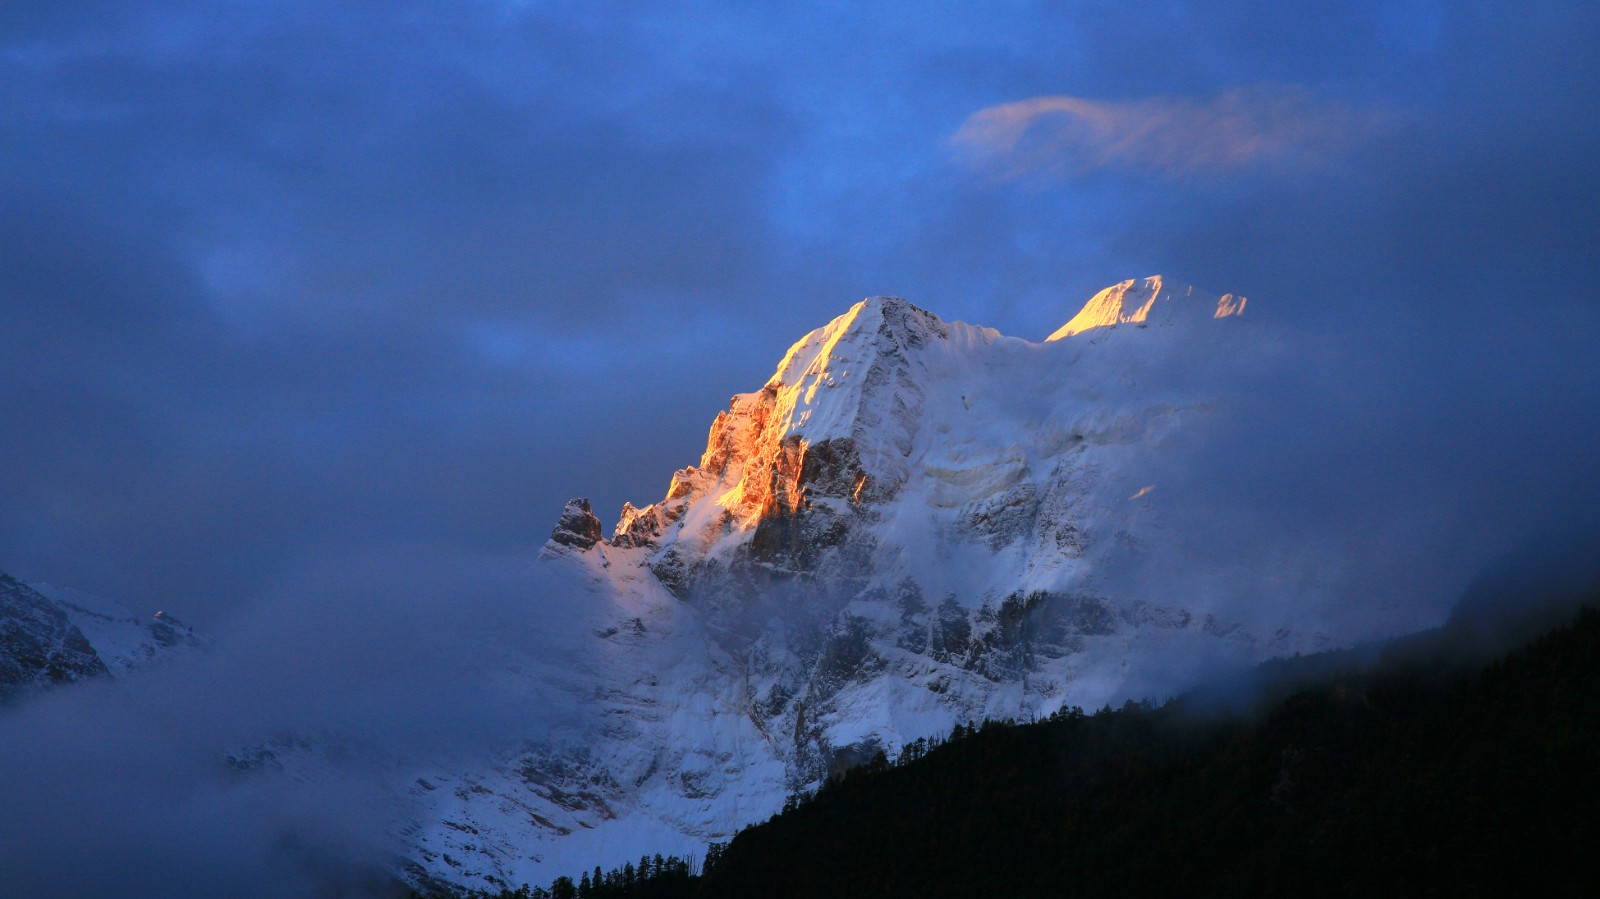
[
  {"x": 578, "y": 527},
  {"x": 39, "y": 645}
]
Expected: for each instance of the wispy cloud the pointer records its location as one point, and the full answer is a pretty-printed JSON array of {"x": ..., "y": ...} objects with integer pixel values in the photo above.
[{"x": 1260, "y": 127}]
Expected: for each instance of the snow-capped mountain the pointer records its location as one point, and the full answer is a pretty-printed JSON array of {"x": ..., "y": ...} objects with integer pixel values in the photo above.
[
  {"x": 913, "y": 523},
  {"x": 53, "y": 635}
]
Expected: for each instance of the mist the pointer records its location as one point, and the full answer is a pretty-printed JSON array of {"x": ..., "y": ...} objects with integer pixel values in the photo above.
[
  {"x": 276, "y": 761},
  {"x": 1352, "y": 489}
]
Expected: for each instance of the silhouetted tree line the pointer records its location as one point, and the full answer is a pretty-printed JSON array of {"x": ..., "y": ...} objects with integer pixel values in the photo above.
[
  {"x": 655, "y": 877},
  {"x": 1415, "y": 776}
]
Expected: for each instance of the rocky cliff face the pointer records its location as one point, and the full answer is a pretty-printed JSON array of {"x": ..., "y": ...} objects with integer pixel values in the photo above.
[
  {"x": 54, "y": 636},
  {"x": 578, "y": 528},
  {"x": 39, "y": 645},
  {"x": 908, "y": 526}
]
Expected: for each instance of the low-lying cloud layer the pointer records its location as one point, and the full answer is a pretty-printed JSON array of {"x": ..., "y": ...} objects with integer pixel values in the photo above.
[{"x": 358, "y": 676}]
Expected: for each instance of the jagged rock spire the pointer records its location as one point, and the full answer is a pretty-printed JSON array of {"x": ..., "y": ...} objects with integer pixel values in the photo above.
[{"x": 578, "y": 527}]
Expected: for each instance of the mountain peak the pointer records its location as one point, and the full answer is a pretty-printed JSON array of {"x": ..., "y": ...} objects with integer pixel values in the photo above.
[
  {"x": 868, "y": 329},
  {"x": 887, "y": 302},
  {"x": 828, "y": 375},
  {"x": 1144, "y": 301},
  {"x": 578, "y": 527},
  {"x": 912, "y": 523}
]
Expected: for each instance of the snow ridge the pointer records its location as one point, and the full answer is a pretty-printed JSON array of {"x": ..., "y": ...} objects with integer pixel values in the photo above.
[
  {"x": 909, "y": 525},
  {"x": 1147, "y": 301}
]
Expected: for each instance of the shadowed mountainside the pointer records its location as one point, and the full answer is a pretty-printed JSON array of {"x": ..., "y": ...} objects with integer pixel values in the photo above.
[{"x": 1416, "y": 770}]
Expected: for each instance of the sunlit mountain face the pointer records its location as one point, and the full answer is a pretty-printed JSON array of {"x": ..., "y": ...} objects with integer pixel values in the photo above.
[{"x": 912, "y": 523}]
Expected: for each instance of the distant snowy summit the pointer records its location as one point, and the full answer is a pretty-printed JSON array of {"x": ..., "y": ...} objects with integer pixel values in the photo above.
[
  {"x": 51, "y": 635},
  {"x": 1148, "y": 301}
]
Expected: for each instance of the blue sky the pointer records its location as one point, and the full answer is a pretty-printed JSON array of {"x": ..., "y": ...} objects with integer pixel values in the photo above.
[{"x": 289, "y": 281}]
